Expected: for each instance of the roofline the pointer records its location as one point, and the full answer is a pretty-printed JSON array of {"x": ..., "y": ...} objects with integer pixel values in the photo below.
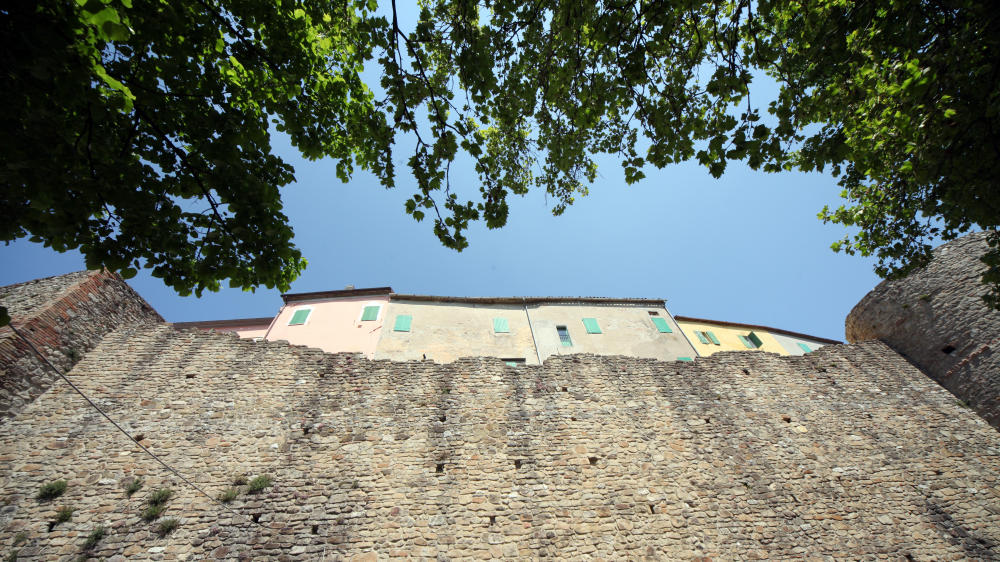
[
  {"x": 224, "y": 323},
  {"x": 293, "y": 297},
  {"x": 758, "y": 327},
  {"x": 523, "y": 300}
]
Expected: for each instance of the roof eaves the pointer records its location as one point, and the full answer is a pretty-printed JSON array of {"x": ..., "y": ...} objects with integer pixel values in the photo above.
[
  {"x": 241, "y": 322},
  {"x": 292, "y": 297},
  {"x": 521, "y": 300}
]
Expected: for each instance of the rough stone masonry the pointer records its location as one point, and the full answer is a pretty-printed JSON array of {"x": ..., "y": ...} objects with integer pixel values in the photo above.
[
  {"x": 936, "y": 318},
  {"x": 847, "y": 453},
  {"x": 65, "y": 316}
]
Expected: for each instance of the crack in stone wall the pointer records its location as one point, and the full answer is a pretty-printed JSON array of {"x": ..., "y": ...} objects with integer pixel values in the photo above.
[{"x": 847, "y": 453}]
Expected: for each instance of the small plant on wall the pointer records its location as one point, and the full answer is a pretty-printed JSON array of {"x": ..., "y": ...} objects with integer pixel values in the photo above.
[
  {"x": 95, "y": 537},
  {"x": 167, "y": 526},
  {"x": 133, "y": 487},
  {"x": 229, "y": 495},
  {"x": 52, "y": 490},
  {"x": 64, "y": 514},
  {"x": 258, "y": 484},
  {"x": 157, "y": 504}
]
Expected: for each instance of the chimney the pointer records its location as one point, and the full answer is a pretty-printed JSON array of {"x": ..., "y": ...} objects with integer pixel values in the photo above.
[{"x": 349, "y": 288}]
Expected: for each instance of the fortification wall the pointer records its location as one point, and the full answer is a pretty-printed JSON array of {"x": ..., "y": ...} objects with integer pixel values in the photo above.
[
  {"x": 847, "y": 453},
  {"x": 936, "y": 318},
  {"x": 65, "y": 316}
]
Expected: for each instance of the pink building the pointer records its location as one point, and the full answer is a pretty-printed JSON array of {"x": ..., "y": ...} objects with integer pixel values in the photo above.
[
  {"x": 349, "y": 320},
  {"x": 334, "y": 321}
]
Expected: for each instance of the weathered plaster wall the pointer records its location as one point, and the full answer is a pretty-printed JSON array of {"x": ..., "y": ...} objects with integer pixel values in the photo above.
[
  {"x": 727, "y": 338},
  {"x": 444, "y": 332},
  {"x": 627, "y": 329},
  {"x": 848, "y": 453},
  {"x": 65, "y": 316},
  {"x": 790, "y": 344},
  {"x": 934, "y": 308},
  {"x": 334, "y": 325}
]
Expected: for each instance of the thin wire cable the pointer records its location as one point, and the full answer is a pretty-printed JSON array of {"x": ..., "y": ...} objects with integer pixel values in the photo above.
[{"x": 132, "y": 439}]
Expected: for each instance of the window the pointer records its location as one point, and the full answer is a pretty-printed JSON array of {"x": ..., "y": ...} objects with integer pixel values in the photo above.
[
  {"x": 662, "y": 326},
  {"x": 747, "y": 342},
  {"x": 701, "y": 337},
  {"x": 514, "y": 362},
  {"x": 684, "y": 359},
  {"x": 300, "y": 317},
  {"x": 653, "y": 313},
  {"x": 804, "y": 347},
  {"x": 564, "y": 336},
  {"x": 712, "y": 337},
  {"x": 402, "y": 323},
  {"x": 756, "y": 340},
  {"x": 500, "y": 326},
  {"x": 370, "y": 313},
  {"x": 591, "y": 325}
]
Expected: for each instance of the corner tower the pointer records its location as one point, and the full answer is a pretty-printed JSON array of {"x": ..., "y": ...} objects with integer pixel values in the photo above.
[{"x": 937, "y": 320}]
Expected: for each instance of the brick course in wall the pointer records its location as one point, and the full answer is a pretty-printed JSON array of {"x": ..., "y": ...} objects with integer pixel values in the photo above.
[
  {"x": 65, "y": 316},
  {"x": 936, "y": 309},
  {"x": 847, "y": 453}
]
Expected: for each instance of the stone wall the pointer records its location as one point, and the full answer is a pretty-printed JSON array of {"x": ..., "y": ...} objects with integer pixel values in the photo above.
[
  {"x": 64, "y": 317},
  {"x": 936, "y": 319},
  {"x": 847, "y": 453}
]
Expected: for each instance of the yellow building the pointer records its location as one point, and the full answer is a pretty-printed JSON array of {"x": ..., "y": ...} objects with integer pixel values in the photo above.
[{"x": 712, "y": 336}]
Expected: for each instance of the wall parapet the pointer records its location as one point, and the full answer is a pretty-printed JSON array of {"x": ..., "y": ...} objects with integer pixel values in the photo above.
[{"x": 847, "y": 452}]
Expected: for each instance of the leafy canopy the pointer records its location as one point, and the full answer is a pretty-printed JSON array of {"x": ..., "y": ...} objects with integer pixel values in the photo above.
[
  {"x": 899, "y": 98},
  {"x": 137, "y": 130}
]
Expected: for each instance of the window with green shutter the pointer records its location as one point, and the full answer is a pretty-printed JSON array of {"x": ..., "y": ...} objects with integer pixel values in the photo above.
[
  {"x": 662, "y": 326},
  {"x": 684, "y": 359},
  {"x": 701, "y": 337},
  {"x": 805, "y": 348},
  {"x": 371, "y": 313},
  {"x": 402, "y": 323},
  {"x": 300, "y": 317},
  {"x": 500, "y": 326},
  {"x": 591, "y": 325},
  {"x": 712, "y": 337},
  {"x": 756, "y": 340},
  {"x": 564, "y": 336},
  {"x": 746, "y": 342}
]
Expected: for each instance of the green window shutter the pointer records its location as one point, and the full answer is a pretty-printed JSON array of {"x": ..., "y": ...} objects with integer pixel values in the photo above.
[
  {"x": 805, "y": 348},
  {"x": 756, "y": 340},
  {"x": 701, "y": 337},
  {"x": 745, "y": 341},
  {"x": 591, "y": 325},
  {"x": 402, "y": 323},
  {"x": 662, "y": 326},
  {"x": 300, "y": 317},
  {"x": 712, "y": 337},
  {"x": 371, "y": 313},
  {"x": 500, "y": 326},
  {"x": 684, "y": 359}
]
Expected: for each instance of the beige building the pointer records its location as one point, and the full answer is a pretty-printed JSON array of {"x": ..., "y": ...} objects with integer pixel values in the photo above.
[{"x": 528, "y": 330}]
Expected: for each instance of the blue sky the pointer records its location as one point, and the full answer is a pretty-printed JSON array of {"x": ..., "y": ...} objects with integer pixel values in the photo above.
[{"x": 745, "y": 248}]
